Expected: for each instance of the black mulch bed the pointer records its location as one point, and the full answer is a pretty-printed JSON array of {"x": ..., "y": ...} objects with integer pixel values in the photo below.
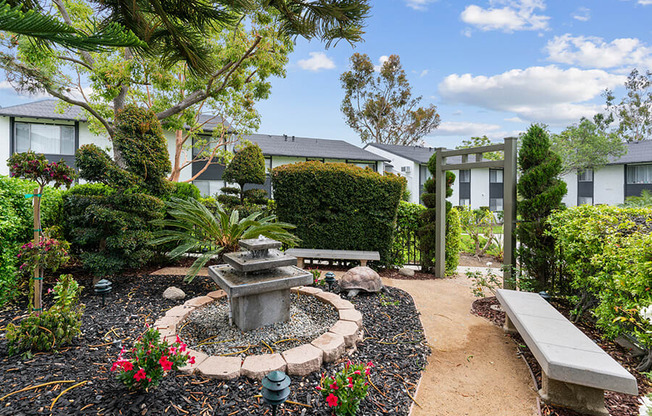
[
  {"x": 394, "y": 343},
  {"x": 618, "y": 404}
]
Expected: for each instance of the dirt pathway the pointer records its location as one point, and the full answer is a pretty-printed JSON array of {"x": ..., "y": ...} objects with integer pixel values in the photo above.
[{"x": 473, "y": 369}]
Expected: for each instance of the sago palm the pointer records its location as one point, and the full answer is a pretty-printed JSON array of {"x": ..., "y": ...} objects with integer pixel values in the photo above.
[{"x": 196, "y": 229}]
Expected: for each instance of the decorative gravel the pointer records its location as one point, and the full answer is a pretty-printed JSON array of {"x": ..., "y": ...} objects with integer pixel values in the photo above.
[
  {"x": 207, "y": 329},
  {"x": 394, "y": 342}
]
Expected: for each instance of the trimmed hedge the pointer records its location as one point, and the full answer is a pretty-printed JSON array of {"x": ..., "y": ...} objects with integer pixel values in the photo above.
[
  {"x": 338, "y": 206},
  {"x": 606, "y": 254}
]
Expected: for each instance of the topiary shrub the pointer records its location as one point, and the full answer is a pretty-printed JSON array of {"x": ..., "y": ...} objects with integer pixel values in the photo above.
[
  {"x": 541, "y": 191},
  {"x": 428, "y": 231},
  {"x": 338, "y": 206},
  {"x": 185, "y": 190},
  {"x": 110, "y": 230},
  {"x": 247, "y": 166}
]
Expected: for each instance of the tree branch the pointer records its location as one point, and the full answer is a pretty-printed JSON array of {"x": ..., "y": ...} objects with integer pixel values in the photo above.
[
  {"x": 85, "y": 106},
  {"x": 78, "y": 62},
  {"x": 66, "y": 18},
  {"x": 200, "y": 95}
]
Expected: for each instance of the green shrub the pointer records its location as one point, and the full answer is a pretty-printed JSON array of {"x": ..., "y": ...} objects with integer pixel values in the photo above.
[
  {"x": 185, "y": 190},
  {"x": 247, "y": 166},
  {"x": 54, "y": 327},
  {"x": 540, "y": 190},
  {"x": 338, "y": 206},
  {"x": 428, "y": 231},
  {"x": 606, "y": 254},
  {"x": 408, "y": 221},
  {"x": 110, "y": 230}
]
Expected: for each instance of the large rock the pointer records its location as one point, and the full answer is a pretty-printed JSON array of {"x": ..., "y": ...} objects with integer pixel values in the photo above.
[
  {"x": 406, "y": 271},
  {"x": 360, "y": 278},
  {"x": 174, "y": 293}
]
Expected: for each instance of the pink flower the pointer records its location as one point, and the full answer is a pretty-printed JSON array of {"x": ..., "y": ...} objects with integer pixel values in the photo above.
[
  {"x": 334, "y": 386},
  {"x": 140, "y": 375},
  {"x": 178, "y": 340},
  {"x": 318, "y": 388},
  {"x": 331, "y": 400},
  {"x": 127, "y": 366},
  {"x": 173, "y": 350},
  {"x": 191, "y": 360},
  {"x": 367, "y": 371},
  {"x": 167, "y": 365},
  {"x": 182, "y": 348},
  {"x": 350, "y": 386},
  {"x": 357, "y": 372},
  {"x": 370, "y": 364}
]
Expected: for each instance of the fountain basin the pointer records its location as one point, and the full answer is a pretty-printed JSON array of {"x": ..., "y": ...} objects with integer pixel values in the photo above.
[
  {"x": 259, "y": 299},
  {"x": 246, "y": 261}
]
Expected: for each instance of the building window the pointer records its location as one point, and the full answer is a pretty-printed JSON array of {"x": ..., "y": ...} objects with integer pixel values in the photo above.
[
  {"x": 370, "y": 165},
  {"x": 586, "y": 176},
  {"x": 584, "y": 200},
  {"x": 208, "y": 188},
  {"x": 465, "y": 176},
  {"x": 495, "y": 176},
  {"x": 49, "y": 139},
  {"x": 639, "y": 174},
  {"x": 495, "y": 204},
  {"x": 465, "y": 202},
  {"x": 317, "y": 159}
]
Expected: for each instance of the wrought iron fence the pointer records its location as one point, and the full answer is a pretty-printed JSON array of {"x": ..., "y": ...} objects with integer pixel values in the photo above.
[{"x": 405, "y": 249}]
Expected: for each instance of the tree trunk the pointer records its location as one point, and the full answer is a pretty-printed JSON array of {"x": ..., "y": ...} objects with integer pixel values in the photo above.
[
  {"x": 38, "y": 276},
  {"x": 118, "y": 104},
  {"x": 176, "y": 164}
]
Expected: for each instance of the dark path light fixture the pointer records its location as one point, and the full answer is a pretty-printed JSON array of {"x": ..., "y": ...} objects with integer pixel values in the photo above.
[
  {"x": 276, "y": 389},
  {"x": 330, "y": 280},
  {"x": 103, "y": 287}
]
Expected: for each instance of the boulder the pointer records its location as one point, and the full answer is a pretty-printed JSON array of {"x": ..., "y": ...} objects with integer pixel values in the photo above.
[
  {"x": 174, "y": 293},
  {"x": 406, "y": 271},
  {"x": 360, "y": 278}
]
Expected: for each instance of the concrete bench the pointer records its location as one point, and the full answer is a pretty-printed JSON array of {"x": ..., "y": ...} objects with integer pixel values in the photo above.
[
  {"x": 317, "y": 253},
  {"x": 575, "y": 370}
]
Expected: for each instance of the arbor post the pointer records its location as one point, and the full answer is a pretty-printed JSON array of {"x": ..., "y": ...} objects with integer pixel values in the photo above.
[
  {"x": 509, "y": 213},
  {"x": 440, "y": 218}
]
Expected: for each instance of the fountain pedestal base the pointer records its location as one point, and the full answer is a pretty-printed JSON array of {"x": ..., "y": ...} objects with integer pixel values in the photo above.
[{"x": 259, "y": 299}]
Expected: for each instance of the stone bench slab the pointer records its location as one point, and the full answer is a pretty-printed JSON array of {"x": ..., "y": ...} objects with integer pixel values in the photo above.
[
  {"x": 333, "y": 254},
  {"x": 563, "y": 351}
]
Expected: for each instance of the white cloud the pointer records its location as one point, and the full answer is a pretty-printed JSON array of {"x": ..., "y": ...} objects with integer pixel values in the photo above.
[
  {"x": 515, "y": 120},
  {"x": 594, "y": 52},
  {"x": 317, "y": 62},
  {"x": 583, "y": 14},
  {"x": 514, "y": 15},
  {"x": 645, "y": 2},
  {"x": 381, "y": 61},
  {"x": 423, "y": 73},
  {"x": 419, "y": 4},
  {"x": 536, "y": 94},
  {"x": 467, "y": 128}
]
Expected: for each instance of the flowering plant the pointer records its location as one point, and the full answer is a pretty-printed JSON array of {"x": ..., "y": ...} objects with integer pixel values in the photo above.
[
  {"x": 152, "y": 358},
  {"x": 47, "y": 253},
  {"x": 316, "y": 276},
  {"x": 646, "y": 406},
  {"x": 36, "y": 167},
  {"x": 345, "y": 391}
]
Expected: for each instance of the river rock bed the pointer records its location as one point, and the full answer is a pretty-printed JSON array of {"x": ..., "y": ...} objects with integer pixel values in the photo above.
[{"x": 208, "y": 330}]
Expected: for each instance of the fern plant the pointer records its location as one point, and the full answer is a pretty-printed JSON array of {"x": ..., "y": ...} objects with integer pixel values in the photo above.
[{"x": 196, "y": 229}]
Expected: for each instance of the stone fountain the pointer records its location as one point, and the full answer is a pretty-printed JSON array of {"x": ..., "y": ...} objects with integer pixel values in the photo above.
[{"x": 258, "y": 281}]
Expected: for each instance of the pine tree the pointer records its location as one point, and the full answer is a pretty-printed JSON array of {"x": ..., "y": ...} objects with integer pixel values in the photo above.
[{"x": 541, "y": 191}]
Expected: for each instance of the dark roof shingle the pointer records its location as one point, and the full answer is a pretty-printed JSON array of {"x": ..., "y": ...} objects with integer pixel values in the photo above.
[
  {"x": 637, "y": 152},
  {"x": 43, "y": 109},
  {"x": 417, "y": 154},
  {"x": 274, "y": 145}
]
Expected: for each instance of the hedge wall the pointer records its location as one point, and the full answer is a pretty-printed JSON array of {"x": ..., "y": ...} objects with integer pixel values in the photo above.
[{"x": 338, "y": 206}]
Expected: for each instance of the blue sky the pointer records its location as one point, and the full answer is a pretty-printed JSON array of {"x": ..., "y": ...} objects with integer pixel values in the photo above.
[{"x": 490, "y": 66}]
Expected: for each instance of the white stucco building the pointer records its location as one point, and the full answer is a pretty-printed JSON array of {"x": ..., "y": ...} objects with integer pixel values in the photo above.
[{"x": 40, "y": 127}]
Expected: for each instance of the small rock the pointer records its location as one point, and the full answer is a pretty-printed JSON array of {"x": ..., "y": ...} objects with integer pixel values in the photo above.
[
  {"x": 174, "y": 293},
  {"x": 406, "y": 271}
]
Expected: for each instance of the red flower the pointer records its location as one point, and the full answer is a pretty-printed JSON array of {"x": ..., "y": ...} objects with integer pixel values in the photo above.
[
  {"x": 127, "y": 366},
  {"x": 331, "y": 400},
  {"x": 173, "y": 350},
  {"x": 367, "y": 371},
  {"x": 318, "y": 388},
  {"x": 140, "y": 375},
  {"x": 357, "y": 372},
  {"x": 167, "y": 365},
  {"x": 191, "y": 360},
  {"x": 334, "y": 386}
]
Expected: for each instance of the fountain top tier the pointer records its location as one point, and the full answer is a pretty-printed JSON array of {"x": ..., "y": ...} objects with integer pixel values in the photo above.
[{"x": 261, "y": 257}]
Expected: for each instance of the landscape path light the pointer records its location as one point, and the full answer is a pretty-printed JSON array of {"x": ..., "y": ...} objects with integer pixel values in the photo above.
[
  {"x": 103, "y": 287},
  {"x": 330, "y": 280},
  {"x": 276, "y": 389}
]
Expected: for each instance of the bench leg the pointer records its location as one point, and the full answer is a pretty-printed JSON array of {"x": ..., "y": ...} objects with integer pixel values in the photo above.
[
  {"x": 509, "y": 326},
  {"x": 363, "y": 263},
  {"x": 587, "y": 400},
  {"x": 300, "y": 262}
]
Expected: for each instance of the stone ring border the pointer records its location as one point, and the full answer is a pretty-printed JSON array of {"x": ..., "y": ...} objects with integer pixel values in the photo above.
[{"x": 299, "y": 361}]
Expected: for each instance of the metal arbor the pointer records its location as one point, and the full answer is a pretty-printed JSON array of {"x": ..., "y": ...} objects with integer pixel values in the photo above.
[{"x": 509, "y": 199}]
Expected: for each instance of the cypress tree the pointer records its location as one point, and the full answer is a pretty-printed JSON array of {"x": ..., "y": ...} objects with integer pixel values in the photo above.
[
  {"x": 541, "y": 191},
  {"x": 428, "y": 232}
]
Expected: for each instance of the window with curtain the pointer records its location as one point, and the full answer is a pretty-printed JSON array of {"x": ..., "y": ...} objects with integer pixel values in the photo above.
[
  {"x": 495, "y": 176},
  {"x": 586, "y": 176},
  {"x": 495, "y": 204},
  {"x": 465, "y": 176},
  {"x": 585, "y": 200},
  {"x": 639, "y": 174},
  {"x": 44, "y": 138}
]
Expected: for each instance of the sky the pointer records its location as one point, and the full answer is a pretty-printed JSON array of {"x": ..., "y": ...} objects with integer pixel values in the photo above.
[{"x": 491, "y": 67}]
